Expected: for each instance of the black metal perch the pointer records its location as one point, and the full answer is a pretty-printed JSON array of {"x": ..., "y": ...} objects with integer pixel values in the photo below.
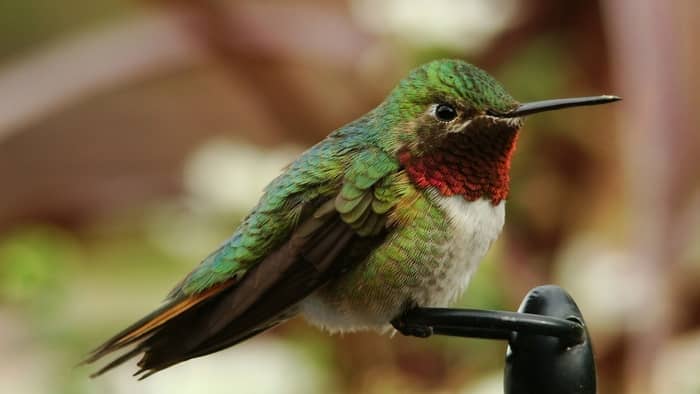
[{"x": 549, "y": 350}]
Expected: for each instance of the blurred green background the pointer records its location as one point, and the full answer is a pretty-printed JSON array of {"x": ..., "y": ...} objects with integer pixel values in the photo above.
[{"x": 134, "y": 136}]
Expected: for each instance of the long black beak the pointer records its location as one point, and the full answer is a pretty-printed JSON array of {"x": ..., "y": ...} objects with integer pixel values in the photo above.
[{"x": 550, "y": 105}]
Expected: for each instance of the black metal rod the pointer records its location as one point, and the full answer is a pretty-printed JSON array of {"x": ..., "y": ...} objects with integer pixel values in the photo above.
[
  {"x": 487, "y": 324},
  {"x": 549, "y": 351}
]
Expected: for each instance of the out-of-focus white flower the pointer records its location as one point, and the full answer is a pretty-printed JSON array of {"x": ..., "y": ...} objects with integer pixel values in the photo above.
[
  {"x": 597, "y": 276},
  {"x": 230, "y": 176},
  {"x": 458, "y": 24}
]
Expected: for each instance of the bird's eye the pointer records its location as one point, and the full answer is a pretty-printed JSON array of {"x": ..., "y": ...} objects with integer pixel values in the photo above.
[{"x": 445, "y": 112}]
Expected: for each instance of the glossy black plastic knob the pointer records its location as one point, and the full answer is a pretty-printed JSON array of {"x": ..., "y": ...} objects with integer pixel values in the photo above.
[{"x": 537, "y": 364}]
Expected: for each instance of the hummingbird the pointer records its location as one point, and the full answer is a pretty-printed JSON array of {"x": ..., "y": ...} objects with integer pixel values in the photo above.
[{"x": 390, "y": 212}]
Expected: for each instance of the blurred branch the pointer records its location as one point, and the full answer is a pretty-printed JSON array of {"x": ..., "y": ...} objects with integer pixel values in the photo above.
[
  {"x": 575, "y": 21},
  {"x": 74, "y": 68},
  {"x": 261, "y": 41},
  {"x": 248, "y": 39},
  {"x": 646, "y": 39},
  {"x": 275, "y": 31}
]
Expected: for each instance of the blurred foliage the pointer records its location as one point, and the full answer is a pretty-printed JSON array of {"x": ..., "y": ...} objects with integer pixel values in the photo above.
[{"x": 27, "y": 23}]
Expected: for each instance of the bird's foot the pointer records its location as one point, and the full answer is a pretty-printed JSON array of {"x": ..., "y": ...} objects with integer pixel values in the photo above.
[{"x": 411, "y": 329}]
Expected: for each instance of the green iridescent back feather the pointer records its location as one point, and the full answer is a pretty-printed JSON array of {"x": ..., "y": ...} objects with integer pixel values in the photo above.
[
  {"x": 343, "y": 165},
  {"x": 405, "y": 265}
]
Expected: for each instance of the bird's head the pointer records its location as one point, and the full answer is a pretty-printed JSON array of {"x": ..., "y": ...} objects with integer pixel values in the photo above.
[{"x": 454, "y": 128}]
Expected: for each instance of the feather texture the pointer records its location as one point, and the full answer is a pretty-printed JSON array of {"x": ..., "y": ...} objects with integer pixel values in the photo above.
[{"x": 283, "y": 251}]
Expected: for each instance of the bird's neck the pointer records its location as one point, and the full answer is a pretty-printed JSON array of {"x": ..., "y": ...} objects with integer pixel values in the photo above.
[{"x": 474, "y": 165}]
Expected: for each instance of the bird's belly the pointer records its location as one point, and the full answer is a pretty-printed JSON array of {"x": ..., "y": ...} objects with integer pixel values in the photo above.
[{"x": 426, "y": 262}]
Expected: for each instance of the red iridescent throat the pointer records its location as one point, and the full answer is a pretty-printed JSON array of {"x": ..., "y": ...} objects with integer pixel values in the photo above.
[{"x": 475, "y": 164}]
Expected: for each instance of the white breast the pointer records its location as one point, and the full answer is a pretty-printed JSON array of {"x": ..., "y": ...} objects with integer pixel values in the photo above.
[{"x": 475, "y": 225}]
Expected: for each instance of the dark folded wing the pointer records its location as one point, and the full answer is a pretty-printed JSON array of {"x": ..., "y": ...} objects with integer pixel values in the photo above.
[{"x": 258, "y": 301}]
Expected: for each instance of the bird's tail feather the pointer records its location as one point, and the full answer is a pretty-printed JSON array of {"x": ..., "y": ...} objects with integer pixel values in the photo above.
[
  {"x": 144, "y": 328},
  {"x": 233, "y": 311}
]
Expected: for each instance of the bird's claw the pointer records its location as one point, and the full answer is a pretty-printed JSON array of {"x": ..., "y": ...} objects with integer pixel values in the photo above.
[{"x": 420, "y": 331}]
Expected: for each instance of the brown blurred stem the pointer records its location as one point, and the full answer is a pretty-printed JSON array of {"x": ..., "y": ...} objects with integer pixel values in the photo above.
[
  {"x": 241, "y": 37},
  {"x": 52, "y": 78},
  {"x": 656, "y": 126}
]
